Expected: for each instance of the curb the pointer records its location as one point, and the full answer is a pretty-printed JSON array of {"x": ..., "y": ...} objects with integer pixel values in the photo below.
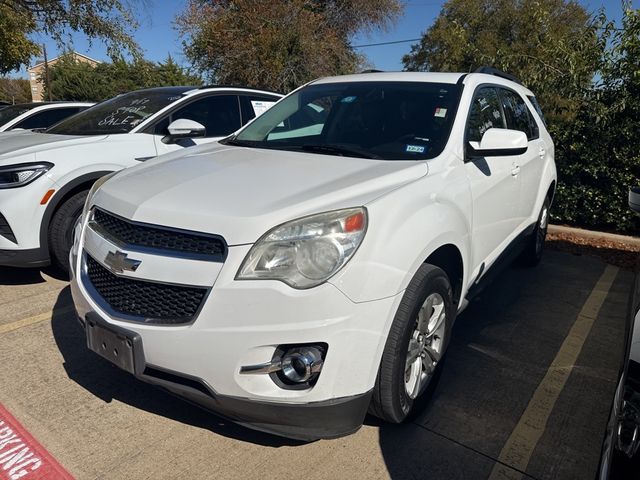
[{"x": 635, "y": 241}]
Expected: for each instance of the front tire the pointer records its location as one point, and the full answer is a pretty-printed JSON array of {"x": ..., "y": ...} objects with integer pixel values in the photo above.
[
  {"x": 61, "y": 229},
  {"x": 415, "y": 346}
]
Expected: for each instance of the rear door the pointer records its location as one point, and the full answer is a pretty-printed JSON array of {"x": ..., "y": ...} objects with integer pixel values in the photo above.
[
  {"x": 531, "y": 162},
  {"x": 493, "y": 180}
]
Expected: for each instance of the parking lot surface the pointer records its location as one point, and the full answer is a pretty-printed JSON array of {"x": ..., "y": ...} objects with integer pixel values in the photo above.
[{"x": 525, "y": 392}]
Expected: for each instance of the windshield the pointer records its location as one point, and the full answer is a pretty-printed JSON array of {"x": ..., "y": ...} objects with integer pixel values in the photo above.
[
  {"x": 381, "y": 120},
  {"x": 118, "y": 115},
  {"x": 14, "y": 111}
]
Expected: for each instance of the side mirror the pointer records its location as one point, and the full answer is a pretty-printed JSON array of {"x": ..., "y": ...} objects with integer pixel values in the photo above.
[
  {"x": 184, "y": 128},
  {"x": 634, "y": 199},
  {"x": 500, "y": 142}
]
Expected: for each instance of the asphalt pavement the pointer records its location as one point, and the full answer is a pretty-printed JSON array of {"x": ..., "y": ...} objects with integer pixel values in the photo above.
[{"x": 525, "y": 392}]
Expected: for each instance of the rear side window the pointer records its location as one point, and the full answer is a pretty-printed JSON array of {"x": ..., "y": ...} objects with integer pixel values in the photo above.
[
  {"x": 536, "y": 105},
  {"x": 518, "y": 115},
  {"x": 486, "y": 112},
  {"x": 47, "y": 118}
]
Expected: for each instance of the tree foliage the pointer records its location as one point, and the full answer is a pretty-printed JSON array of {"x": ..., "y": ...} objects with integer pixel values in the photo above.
[
  {"x": 598, "y": 153},
  {"x": 15, "y": 90},
  {"x": 552, "y": 45},
  {"x": 585, "y": 73},
  {"x": 278, "y": 45},
  {"x": 109, "y": 20},
  {"x": 73, "y": 80}
]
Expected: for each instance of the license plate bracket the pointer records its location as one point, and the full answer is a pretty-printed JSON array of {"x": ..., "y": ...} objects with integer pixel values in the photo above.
[{"x": 120, "y": 346}]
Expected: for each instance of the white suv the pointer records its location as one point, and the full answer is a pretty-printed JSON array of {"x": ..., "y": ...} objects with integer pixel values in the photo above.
[
  {"x": 310, "y": 267},
  {"x": 45, "y": 177}
]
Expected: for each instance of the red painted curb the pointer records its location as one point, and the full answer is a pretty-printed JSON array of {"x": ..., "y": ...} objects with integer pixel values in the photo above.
[{"x": 22, "y": 456}]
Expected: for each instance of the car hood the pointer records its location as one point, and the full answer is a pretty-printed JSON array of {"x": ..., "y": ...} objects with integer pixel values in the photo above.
[
  {"x": 241, "y": 193},
  {"x": 26, "y": 142}
]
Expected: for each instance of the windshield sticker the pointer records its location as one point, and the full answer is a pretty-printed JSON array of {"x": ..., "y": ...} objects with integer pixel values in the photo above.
[
  {"x": 440, "y": 112},
  {"x": 259, "y": 107},
  {"x": 348, "y": 99},
  {"x": 415, "y": 149}
]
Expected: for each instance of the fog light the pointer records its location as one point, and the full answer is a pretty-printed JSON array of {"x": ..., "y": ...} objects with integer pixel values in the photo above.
[
  {"x": 292, "y": 367},
  {"x": 300, "y": 365}
]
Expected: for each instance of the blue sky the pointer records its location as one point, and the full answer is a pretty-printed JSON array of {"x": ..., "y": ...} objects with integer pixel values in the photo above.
[{"x": 158, "y": 38}]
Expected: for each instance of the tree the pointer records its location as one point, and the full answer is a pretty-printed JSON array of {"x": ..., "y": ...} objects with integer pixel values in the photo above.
[
  {"x": 598, "y": 153},
  {"x": 278, "y": 45},
  {"x": 73, "y": 80},
  {"x": 553, "y": 46},
  {"x": 586, "y": 74},
  {"x": 109, "y": 20},
  {"x": 15, "y": 90}
]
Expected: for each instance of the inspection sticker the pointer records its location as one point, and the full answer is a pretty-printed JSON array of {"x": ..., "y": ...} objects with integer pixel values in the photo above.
[
  {"x": 414, "y": 149},
  {"x": 21, "y": 456},
  {"x": 440, "y": 112}
]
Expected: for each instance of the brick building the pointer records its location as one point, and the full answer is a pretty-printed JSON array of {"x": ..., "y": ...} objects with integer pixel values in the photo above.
[{"x": 37, "y": 72}]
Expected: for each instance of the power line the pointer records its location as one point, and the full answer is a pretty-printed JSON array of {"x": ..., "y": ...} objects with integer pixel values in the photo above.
[{"x": 386, "y": 43}]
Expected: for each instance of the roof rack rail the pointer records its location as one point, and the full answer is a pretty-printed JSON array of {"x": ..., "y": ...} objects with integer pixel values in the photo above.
[
  {"x": 497, "y": 73},
  {"x": 373, "y": 70},
  {"x": 266, "y": 90}
]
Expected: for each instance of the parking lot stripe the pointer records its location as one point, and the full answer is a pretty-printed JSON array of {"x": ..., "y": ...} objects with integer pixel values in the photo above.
[
  {"x": 519, "y": 447},
  {"x": 31, "y": 320}
]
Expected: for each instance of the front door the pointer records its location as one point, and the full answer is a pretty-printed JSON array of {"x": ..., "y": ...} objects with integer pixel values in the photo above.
[{"x": 494, "y": 181}]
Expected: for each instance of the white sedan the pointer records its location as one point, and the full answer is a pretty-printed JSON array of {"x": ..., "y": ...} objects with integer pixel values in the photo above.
[{"x": 45, "y": 177}]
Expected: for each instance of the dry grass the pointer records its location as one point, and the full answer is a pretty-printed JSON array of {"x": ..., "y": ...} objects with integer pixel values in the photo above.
[{"x": 619, "y": 253}]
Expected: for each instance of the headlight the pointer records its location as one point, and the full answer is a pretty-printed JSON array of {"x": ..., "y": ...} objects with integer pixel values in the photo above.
[
  {"x": 94, "y": 188},
  {"x": 306, "y": 252},
  {"x": 19, "y": 175}
]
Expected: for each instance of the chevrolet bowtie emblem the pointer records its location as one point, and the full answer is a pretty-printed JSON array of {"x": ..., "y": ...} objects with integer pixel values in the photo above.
[{"x": 118, "y": 262}]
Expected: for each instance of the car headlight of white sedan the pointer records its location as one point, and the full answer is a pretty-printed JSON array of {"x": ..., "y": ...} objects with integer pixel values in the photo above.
[
  {"x": 14, "y": 176},
  {"x": 308, "y": 251}
]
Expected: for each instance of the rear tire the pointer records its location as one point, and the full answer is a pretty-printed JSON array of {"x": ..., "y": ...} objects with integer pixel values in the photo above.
[
  {"x": 427, "y": 302},
  {"x": 61, "y": 229},
  {"x": 532, "y": 253}
]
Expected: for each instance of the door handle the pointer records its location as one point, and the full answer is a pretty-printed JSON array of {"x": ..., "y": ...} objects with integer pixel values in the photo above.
[
  {"x": 515, "y": 170},
  {"x": 542, "y": 152}
]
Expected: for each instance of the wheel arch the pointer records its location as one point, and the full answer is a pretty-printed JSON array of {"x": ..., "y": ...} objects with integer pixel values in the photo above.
[
  {"x": 83, "y": 182},
  {"x": 551, "y": 192},
  {"x": 448, "y": 257}
]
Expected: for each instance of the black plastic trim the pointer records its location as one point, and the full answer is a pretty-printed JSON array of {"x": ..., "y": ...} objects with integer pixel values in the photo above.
[
  {"x": 307, "y": 422},
  {"x": 35, "y": 257},
  {"x": 5, "y": 230},
  {"x": 498, "y": 73}
]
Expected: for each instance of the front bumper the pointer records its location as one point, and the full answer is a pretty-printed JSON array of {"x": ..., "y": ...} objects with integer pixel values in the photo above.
[
  {"x": 22, "y": 216},
  {"x": 242, "y": 323}
]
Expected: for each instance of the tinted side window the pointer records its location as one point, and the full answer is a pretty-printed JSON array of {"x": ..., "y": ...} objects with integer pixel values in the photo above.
[
  {"x": 518, "y": 115},
  {"x": 253, "y": 105},
  {"x": 220, "y": 114},
  {"x": 47, "y": 118},
  {"x": 536, "y": 105},
  {"x": 486, "y": 112}
]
